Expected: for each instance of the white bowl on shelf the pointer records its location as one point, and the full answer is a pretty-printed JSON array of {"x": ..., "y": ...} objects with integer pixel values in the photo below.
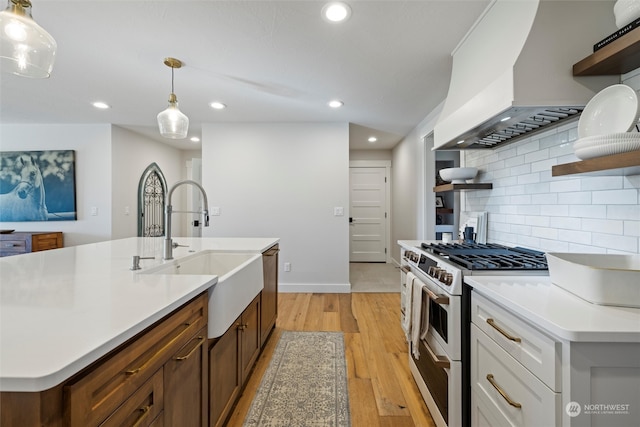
[{"x": 458, "y": 175}]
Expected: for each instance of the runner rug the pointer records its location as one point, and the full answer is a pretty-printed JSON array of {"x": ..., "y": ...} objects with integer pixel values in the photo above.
[{"x": 305, "y": 383}]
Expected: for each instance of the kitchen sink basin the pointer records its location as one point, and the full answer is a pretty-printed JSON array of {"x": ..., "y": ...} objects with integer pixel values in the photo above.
[
  {"x": 606, "y": 279},
  {"x": 239, "y": 281}
]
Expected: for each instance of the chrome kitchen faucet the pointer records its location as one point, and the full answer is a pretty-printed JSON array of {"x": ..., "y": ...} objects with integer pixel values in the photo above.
[{"x": 168, "y": 210}]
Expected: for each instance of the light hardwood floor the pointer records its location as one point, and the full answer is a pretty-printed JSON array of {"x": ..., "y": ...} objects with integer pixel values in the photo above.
[{"x": 381, "y": 389}]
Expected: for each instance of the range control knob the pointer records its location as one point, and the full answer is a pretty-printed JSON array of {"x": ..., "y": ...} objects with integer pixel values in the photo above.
[{"x": 448, "y": 279}]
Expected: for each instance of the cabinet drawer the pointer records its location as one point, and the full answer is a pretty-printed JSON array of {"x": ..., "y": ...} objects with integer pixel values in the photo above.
[
  {"x": 43, "y": 242},
  {"x": 11, "y": 247},
  {"x": 93, "y": 396},
  {"x": 142, "y": 407},
  {"x": 535, "y": 350},
  {"x": 505, "y": 391}
]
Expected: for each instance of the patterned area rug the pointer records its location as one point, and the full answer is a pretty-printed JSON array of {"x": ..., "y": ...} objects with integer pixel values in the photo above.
[{"x": 305, "y": 383}]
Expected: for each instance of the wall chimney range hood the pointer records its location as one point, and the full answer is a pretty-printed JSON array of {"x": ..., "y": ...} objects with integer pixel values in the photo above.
[{"x": 512, "y": 72}]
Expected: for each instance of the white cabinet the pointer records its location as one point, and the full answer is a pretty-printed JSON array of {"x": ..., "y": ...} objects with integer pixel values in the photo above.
[
  {"x": 504, "y": 392},
  {"x": 516, "y": 370},
  {"x": 543, "y": 357}
]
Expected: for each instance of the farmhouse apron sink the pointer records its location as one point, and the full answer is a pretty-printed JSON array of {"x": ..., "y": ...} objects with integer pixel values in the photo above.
[{"x": 239, "y": 281}]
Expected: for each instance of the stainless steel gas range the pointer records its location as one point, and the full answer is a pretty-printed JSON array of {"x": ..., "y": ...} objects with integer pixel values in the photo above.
[{"x": 435, "y": 307}]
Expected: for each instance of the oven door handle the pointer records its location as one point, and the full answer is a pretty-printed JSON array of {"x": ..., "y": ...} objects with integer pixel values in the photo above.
[
  {"x": 438, "y": 360},
  {"x": 438, "y": 299}
]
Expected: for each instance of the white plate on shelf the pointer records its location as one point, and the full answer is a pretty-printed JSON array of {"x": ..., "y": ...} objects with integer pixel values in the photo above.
[
  {"x": 606, "y": 149},
  {"x": 614, "y": 109}
]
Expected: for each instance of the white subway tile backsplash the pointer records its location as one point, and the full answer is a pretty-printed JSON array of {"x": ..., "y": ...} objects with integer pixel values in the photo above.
[
  {"x": 595, "y": 183},
  {"x": 609, "y": 226},
  {"x": 543, "y": 165},
  {"x": 615, "y": 242},
  {"x": 632, "y": 228},
  {"x": 529, "y": 207},
  {"x": 536, "y": 156},
  {"x": 630, "y": 212},
  {"x": 575, "y": 198},
  {"x": 615, "y": 197},
  {"x": 587, "y": 211},
  {"x": 565, "y": 185},
  {"x": 567, "y": 223},
  {"x": 530, "y": 178}
]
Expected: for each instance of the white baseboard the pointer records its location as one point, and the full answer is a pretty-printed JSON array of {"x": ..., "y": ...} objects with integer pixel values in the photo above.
[{"x": 315, "y": 288}]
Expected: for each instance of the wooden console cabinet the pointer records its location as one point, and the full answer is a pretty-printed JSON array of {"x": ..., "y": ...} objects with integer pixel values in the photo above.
[{"x": 22, "y": 242}]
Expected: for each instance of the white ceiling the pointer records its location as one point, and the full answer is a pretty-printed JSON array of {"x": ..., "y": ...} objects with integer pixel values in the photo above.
[{"x": 269, "y": 61}]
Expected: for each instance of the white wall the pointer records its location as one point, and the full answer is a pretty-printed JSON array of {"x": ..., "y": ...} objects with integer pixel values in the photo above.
[
  {"x": 577, "y": 213},
  {"x": 109, "y": 163},
  {"x": 92, "y": 145},
  {"x": 370, "y": 154},
  {"x": 283, "y": 180},
  {"x": 413, "y": 178},
  {"x": 132, "y": 153}
]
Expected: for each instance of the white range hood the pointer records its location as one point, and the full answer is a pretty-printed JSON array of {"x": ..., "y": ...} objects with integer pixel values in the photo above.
[{"x": 516, "y": 62}]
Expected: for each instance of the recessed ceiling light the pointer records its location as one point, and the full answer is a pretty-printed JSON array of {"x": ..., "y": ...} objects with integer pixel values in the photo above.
[
  {"x": 194, "y": 139},
  {"x": 336, "y": 103},
  {"x": 372, "y": 139},
  {"x": 218, "y": 105},
  {"x": 336, "y": 11},
  {"x": 460, "y": 142},
  {"x": 101, "y": 105},
  {"x": 504, "y": 119}
]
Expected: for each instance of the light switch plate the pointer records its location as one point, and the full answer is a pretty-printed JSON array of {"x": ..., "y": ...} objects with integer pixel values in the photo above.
[
  {"x": 338, "y": 211},
  {"x": 215, "y": 211}
]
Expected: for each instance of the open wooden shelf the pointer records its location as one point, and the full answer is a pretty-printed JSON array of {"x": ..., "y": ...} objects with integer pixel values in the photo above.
[
  {"x": 618, "y": 57},
  {"x": 458, "y": 187},
  {"x": 444, "y": 211},
  {"x": 630, "y": 160}
]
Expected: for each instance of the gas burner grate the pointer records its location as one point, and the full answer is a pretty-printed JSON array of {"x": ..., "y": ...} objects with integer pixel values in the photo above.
[{"x": 489, "y": 256}]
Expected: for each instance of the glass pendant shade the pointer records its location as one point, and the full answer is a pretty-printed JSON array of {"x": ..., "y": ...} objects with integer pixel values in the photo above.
[
  {"x": 26, "y": 49},
  {"x": 172, "y": 122}
]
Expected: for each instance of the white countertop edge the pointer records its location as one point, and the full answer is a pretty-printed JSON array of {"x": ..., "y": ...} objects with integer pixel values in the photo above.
[
  {"x": 482, "y": 284},
  {"x": 43, "y": 383}
]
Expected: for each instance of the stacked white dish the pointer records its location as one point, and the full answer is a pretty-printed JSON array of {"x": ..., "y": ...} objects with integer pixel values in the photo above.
[
  {"x": 606, "y": 123},
  {"x": 626, "y": 11}
]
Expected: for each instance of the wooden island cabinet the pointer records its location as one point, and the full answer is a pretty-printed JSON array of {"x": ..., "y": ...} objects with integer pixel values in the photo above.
[
  {"x": 233, "y": 355},
  {"x": 157, "y": 377}
]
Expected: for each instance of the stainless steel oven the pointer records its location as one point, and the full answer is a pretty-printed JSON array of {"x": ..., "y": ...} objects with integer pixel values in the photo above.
[{"x": 440, "y": 366}]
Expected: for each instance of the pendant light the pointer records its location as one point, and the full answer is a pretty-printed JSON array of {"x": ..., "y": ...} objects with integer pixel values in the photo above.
[
  {"x": 172, "y": 122},
  {"x": 26, "y": 49}
]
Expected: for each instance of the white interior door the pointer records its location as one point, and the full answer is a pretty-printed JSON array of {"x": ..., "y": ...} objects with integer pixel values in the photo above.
[{"x": 368, "y": 216}]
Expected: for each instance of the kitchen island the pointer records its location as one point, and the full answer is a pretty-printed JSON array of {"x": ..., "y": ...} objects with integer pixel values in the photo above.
[{"x": 63, "y": 310}]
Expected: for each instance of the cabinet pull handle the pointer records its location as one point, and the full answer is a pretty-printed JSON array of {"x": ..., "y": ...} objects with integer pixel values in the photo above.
[
  {"x": 188, "y": 355},
  {"x": 159, "y": 352},
  {"x": 145, "y": 411},
  {"x": 502, "y": 392},
  {"x": 508, "y": 336},
  {"x": 242, "y": 327},
  {"x": 439, "y": 361}
]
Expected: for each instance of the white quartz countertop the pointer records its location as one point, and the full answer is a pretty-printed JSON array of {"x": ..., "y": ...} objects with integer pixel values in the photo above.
[
  {"x": 557, "y": 311},
  {"x": 63, "y": 309}
]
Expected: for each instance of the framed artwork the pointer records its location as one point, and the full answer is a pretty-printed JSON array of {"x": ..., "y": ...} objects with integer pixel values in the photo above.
[
  {"x": 439, "y": 202},
  {"x": 37, "y": 186}
]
